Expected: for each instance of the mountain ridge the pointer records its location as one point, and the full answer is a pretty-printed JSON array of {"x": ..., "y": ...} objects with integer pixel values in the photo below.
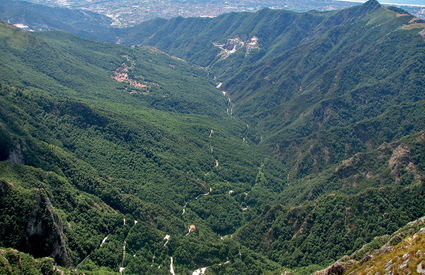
[
  {"x": 278, "y": 156},
  {"x": 105, "y": 156}
]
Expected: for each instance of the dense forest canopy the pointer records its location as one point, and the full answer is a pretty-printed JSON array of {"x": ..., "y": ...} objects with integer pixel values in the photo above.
[{"x": 248, "y": 143}]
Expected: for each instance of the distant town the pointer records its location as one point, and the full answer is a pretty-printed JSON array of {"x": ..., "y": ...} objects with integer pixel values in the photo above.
[{"x": 132, "y": 12}]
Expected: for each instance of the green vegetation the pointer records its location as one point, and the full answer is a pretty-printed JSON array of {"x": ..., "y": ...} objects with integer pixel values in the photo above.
[
  {"x": 399, "y": 253},
  {"x": 87, "y": 154},
  {"x": 331, "y": 226},
  {"x": 39, "y": 17},
  {"x": 111, "y": 153},
  {"x": 15, "y": 262}
]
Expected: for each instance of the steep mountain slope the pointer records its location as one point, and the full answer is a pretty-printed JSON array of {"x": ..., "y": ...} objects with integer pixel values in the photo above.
[
  {"x": 315, "y": 78},
  {"x": 15, "y": 262},
  {"x": 39, "y": 17},
  {"x": 384, "y": 190},
  {"x": 193, "y": 38},
  {"x": 399, "y": 253},
  {"x": 294, "y": 140},
  {"x": 96, "y": 166},
  {"x": 326, "y": 93}
]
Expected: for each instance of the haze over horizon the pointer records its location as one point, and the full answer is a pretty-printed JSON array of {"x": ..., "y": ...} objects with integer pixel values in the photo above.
[
  {"x": 394, "y": 2},
  {"x": 212, "y": 137}
]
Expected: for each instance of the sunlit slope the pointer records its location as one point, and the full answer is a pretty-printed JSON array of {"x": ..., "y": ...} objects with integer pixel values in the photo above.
[{"x": 87, "y": 159}]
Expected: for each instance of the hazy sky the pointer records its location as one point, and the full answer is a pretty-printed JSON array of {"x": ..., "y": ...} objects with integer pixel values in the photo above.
[{"x": 411, "y": 2}]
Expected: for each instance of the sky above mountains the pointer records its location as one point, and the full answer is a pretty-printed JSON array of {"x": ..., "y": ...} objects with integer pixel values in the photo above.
[{"x": 400, "y": 2}]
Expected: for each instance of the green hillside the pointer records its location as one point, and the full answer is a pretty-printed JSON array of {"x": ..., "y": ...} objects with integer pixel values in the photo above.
[
  {"x": 81, "y": 152},
  {"x": 379, "y": 191},
  {"x": 399, "y": 252},
  {"x": 321, "y": 86},
  {"x": 249, "y": 143},
  {"x": 323, "y": 91},
  {"x": 37, "y": 17}
]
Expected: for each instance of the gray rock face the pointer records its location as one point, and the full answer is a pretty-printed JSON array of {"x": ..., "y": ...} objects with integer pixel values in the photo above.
[
  {"x": 45, "y": 231},
  {"x": 16, "y": 155},
  {"x": 233, "y": 45},
  {"x": 336, "y": 269}
]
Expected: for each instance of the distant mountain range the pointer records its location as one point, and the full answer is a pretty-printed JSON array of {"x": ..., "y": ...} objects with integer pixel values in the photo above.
[
  {"x": 321, "y": 90},
  {"x": 249, "y": 143},
  {"x": 130, "y": 13},
  {"x": 38, "y": 17}
]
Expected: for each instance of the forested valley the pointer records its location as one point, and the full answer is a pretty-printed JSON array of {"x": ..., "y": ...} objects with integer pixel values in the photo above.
[{"x": 248, "y": 143}]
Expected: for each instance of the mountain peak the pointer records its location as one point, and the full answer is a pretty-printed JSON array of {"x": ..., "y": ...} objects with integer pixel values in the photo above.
[
  {"x": 362, "y": 10},
  {"x": 371, "y": 4}
]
